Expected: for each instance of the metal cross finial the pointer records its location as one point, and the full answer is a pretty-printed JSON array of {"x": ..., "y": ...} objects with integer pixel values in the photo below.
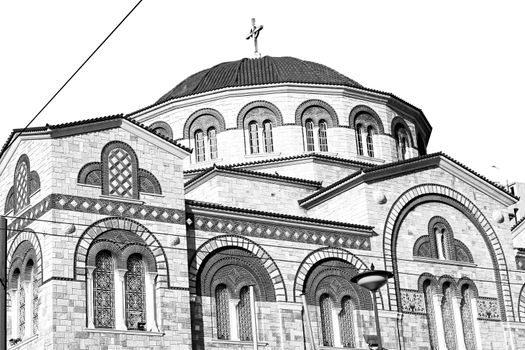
[{"x": 254, "y": 33}]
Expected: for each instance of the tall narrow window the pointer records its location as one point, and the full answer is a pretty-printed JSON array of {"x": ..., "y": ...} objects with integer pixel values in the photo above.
[
  {"x": 103, "y": 296},
  {"x": 370, "y": 141},
  {"x": 268, "y": 137},
  {"x": 429, "y": 295},
  {"x": 403, "y": 148},
  {"x": 326, "y": 306},
  {"x": 222, "y": 302},
  {"x": 323, "y": 140},
  {"x": 135, "y": 292},
  {"x": 200, "y": 155},
  {"x": 21, "y": 183},
  {"x": 254, "y": 137},
  {"x": 244, "y": 312},
  {"x": 359, "y": 139},
  {"x": 467, "y": 318},
  {"x": 212, "y": 141},
  {"x": 448, "y": 317},
  {"x": 346, "y": 321},
  {"x": 310, "y": 144},
  {"x": 34, "y": 300},
  {"x": 120, "y": 173},
  {"x": 21, "y": 309}
]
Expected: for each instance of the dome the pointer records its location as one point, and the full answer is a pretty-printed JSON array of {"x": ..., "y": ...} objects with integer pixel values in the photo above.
[{"x": 258, "y": 71}]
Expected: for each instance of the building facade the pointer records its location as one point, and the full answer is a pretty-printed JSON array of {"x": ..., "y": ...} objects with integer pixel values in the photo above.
[{"x": 233, "y": 212}]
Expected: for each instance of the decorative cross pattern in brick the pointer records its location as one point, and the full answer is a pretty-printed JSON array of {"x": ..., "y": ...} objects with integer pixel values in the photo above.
[
  {"x": 120, "y": 173},
  {"x": 488, "y": 309},
  {"x": 413, "y": 301},
  {"x": 21, "y": 186},
  {"x": 285, "y": 233}
]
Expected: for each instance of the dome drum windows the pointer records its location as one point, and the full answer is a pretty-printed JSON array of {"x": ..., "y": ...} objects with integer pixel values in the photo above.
[
  {"x": 316, "y": 117},
  {"x": 403, "y": 138},
  {"x": 258, "y": 119},
  {"x": 367, "y": 125},
  {"x": 201, "y": 130}
]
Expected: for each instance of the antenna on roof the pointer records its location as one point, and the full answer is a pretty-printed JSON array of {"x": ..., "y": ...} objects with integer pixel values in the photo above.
[{"x": 254, "y": 33}]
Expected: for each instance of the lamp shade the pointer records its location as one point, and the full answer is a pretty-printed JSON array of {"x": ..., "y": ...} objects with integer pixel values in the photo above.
[{"x": 372, "y": 280}]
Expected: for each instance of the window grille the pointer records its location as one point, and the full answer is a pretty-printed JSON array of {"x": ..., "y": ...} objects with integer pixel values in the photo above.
[
  {"x": 326, "y": 306},
  {"x": 448, "y": 317},
  {"x": 370, "y": 141},
  {"x": 199, "y": 146},
  {"x": 212, "y": 140},
  {"x": 268, "y": 137},
  {"x": 35, "y": 300},
  {"x": 222, "y": 301},
  {"x": 359, "y": 138},
  {"x": 135, "y": 292},
  {"x": 310, "y": 145},
  {"x": 21, "y": 185},
  {"x": 346, "y": 321},
  {"x": 120, "y": 173},
  {"x": 21, "y": 311},
  {"x": 466, "y": 318},
  {"x": 323, "y": 140},
  {"x": 103, "y": 297},
  {"x": 425, "y": 250},
  {"x": 432, "y": 330},
  {"x": 245, "y": 318},
  {"x": 254, "y": 138}
]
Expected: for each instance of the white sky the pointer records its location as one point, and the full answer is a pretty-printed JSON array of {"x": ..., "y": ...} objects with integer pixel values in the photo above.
[{"x": 461, "y": 62}]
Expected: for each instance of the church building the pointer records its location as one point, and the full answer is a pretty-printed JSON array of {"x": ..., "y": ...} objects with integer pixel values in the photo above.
[{"x": 233, "y": 213}]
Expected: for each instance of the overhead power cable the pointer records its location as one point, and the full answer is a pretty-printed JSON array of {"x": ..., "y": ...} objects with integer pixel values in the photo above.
[{"x": 73, "y": 75}]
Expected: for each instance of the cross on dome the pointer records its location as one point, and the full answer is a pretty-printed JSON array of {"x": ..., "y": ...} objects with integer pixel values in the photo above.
[{"x": 254, "y": 33}]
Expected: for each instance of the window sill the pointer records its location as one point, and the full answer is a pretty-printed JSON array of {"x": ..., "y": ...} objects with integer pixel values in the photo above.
[
  {"x": 121, "y": 199},
  {"x": 237, "y": 342},
  {"x": 262, "y": 154},
  {"x": 123, "y": 331},
  {"x": 24, "y": 342},
  {"x": 444, "y": 262}
]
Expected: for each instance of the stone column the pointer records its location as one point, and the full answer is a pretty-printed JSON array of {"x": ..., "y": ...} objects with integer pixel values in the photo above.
[
  {"x": 151, "y": 320},
  {"x": 460, "y": 337},
  {"x": 234, "y": 320},
  {"x": 90, "y": 306},
  {"x": 336, "y": 326},
  {"x": 13, "y": 293},
  {"x": 253, "y": 309},
  {"x": 475, "y": 322},
  {"x": 120, "y": 298},
  {"x": 440, "y": 329},
  {"x": 28, "y": 293}
]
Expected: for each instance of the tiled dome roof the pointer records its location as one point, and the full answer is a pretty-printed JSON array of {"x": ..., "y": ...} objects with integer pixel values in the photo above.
[{"x": 258, "y": 71}]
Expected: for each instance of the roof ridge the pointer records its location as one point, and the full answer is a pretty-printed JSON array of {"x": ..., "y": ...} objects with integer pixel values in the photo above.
[{"x": 273, "y": 214}]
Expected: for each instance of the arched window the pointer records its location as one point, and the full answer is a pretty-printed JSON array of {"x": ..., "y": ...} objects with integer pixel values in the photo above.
[
  {"x": 310, "y": 143},
  {"x": 254, "y": 137},
  {"x": 401, "y": 136},
  {"x": 212, "y": 141},
  {"x": 135, "y": 293},
  {"x": 428, "y": 292},
  {"x": 244, "y": 312},
  {"x": 268, "y": 137},
  {"x": 21, "y": 308},
  {"x": 222, "y": 302},
  {"x": 359, "y": 139},
  {"x": 200, "y": 155},
  {"x": 103, "y": 291},
  {"x": 323, "y": 140},
  {"x": 447, "y": 311},
  {"x": 326, "y": 306},
  {"x": 346, "y": 321},
  {"x": 34, "y": 299},
  {"x": 467, "y": 317},
  {"x": 21, "y": 183},
  {"x": 370, "y": 141},
  {"x": 120, "y": 167}
]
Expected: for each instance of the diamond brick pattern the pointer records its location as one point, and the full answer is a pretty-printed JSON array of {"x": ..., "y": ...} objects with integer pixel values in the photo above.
[
  {"x": 120, "y": 173},
  {"x": 287, "y": 233},
  {"x": 21, "y": 186}
]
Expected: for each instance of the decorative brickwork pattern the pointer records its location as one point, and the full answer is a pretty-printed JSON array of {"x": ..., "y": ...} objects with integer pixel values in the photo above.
[
  {"x": 413, "y": 301},
  {"x": 488, "y": 309},
  {"x": 279, "y": 232},
  {"x": 367, "y": 116},
  {"x": 438, "y": 193},
  {"x": 162, "y": 128},
  {"x": 203, "y": 119},
  {"x": 259, "y": 111},
  {"x": 317, "y": 110},
  {"x": 130, "y": 226},
  {"x": 230, "y": 241},
  {"x": 22, "y": 243},
  {"x": 119, "y": 165}
]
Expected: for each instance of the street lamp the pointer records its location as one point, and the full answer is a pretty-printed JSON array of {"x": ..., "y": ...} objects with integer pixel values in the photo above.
[{"x": 373, "y": 280}]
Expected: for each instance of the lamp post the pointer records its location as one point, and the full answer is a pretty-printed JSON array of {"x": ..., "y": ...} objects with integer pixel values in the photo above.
[{"x": 373, "y": 280}]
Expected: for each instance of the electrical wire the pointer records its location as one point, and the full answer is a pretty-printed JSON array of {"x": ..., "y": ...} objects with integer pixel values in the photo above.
[{"x": 72, "y": 76}]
